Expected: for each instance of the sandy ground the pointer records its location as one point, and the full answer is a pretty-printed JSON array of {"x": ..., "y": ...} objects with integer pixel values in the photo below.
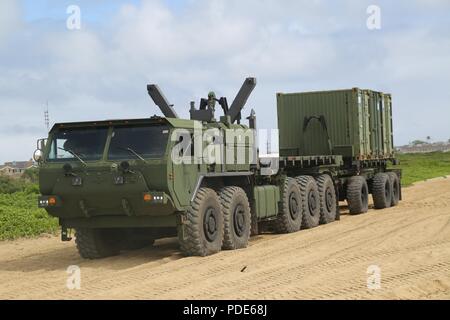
[{"x": 410, "y": 244}]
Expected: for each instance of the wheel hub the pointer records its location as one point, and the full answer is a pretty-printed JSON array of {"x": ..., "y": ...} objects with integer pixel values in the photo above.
[
  {"x": 395, "y": 190},
  {"x": 210, "y": 224},
  {"x": 293, "y": 206},
  {"x": 329, "y": 200},
  {"x": 386, "y": 190},
  {"x": 312, "y": 203},
  {"x": 239, "y": 220},
  {"x": 364, "y": 195}
]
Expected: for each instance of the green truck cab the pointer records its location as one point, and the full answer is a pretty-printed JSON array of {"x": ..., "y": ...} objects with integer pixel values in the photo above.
[{"x": 122, "y": 184}]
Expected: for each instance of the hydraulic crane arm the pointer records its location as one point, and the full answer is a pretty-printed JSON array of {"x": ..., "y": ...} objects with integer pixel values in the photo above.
[{"x": 160, "y": 100}]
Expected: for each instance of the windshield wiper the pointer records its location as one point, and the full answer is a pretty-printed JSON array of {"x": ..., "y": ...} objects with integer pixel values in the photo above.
[
  {"x": 74, "y": 154},
  {"x": 133, "y": 152}
]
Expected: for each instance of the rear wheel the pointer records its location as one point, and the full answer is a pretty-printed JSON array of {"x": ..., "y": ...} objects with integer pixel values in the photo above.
[
  {"x": 236, "y": 217},
  {"x": 289, "y": 218},
  {"x": 327, "y": 198},
  {"x": 357, "y": 195},
  {"x": 395, "y": 185},
  {"x": 97, "y": 243},
  {"x": 202, "y": 232},
  {"x": 382, "y": 191},
  {"x": 310, "y": 201}
]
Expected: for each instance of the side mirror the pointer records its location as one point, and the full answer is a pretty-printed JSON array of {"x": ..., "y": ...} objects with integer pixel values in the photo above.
[
  {"x": 38, "y": 155},
  {"x": 40, "y": 144}
]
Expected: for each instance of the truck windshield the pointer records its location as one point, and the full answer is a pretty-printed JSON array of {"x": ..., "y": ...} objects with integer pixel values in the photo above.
[
  {"x": 80, "y": 143},
  {"x": 144, "y": 141}
]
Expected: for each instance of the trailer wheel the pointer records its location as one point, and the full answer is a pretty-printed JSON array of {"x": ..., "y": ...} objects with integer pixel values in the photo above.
[
  {"x": 97, "y": 243},
  {"x": 202, "y": 232},
  {"x": 290, "y": 214},
  {"x": 310, "y": 201},
  {"x": 382, "y": 191},
  {"x": 327, "y": 198},
  {"x": 236, "y": 218},
  {"x": 395, "y": 185},
  {"x": 357, "y": 195}
]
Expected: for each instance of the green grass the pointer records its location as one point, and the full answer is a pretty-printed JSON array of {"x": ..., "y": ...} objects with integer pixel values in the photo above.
[
  {"x": 423, "y": 166},
  {"x": 20, "y": 217}
]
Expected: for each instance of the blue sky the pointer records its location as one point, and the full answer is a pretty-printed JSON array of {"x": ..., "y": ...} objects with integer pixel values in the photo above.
[
  {"x": 94, "y": 11},
  {"x": 191, "y": 47}
]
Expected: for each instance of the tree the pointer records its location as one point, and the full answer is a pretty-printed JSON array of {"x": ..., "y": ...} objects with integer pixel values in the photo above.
[
  {"x": 31, "y": 175},
  {"x": 417, "y": 142}
]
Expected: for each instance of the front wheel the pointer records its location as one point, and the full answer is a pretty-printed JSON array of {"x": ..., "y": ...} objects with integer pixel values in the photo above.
[
  {"x": 94, "y": 243},
  {"x": 201, "y": 234}
]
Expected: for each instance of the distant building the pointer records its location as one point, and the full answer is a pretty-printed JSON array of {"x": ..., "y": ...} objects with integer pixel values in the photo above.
[
  {"x": 15, "y": 168},
  {"x": 425, "y": 148}
]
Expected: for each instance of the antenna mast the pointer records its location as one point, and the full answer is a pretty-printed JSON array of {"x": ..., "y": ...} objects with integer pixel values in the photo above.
[{"x": 47, "y": 118}]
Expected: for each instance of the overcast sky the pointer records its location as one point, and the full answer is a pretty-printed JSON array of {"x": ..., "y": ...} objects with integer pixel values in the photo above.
[{"x": 194, "y": 46}]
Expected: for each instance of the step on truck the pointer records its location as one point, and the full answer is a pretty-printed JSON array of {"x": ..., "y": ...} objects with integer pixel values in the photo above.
[{"x": 122, "y": 184}]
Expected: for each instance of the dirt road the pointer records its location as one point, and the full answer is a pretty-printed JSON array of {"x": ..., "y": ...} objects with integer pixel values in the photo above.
[{"x": 410, "y": 244}]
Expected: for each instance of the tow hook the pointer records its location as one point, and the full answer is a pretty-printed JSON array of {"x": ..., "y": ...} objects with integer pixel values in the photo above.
[{"x": 65, "y": 234}]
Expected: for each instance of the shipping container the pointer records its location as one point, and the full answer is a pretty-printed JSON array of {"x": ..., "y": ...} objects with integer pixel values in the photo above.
[{"x": 353, "y": 123}]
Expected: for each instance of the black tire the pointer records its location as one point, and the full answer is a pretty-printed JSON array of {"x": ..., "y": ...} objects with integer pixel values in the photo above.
[
  {"x": 310, "y": 201},
  {"x": 97, "y": 243},
  {"x": 290, "y": 214},
  {"x": 236, "y": 218},
  {"x": 202, "y": 232},
  {"x": 382, "y": 191},
  {"x": 395, "y": 185},
  {"x": 357, "y": 195},
  {"x": 327, "y": 198}
]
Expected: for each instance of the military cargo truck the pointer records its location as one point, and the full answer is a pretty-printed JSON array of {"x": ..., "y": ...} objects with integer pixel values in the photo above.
[{"x": 122, "y": 184}]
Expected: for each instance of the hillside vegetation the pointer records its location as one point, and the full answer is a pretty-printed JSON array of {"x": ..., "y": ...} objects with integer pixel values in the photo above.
[{"x": 19, "y": 214}]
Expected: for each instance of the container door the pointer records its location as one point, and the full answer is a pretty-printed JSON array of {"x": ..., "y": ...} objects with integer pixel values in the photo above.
[
  {"x": 375, "y": 124},
  {"x": 366, "y": 121},
  {"x": 364, "y": 124},
  {"x": 389, "y": 128},
  {"x": 380, "y": 135}
]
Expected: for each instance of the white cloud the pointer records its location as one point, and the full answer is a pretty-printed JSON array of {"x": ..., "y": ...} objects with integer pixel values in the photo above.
[
  {"x": 101, "y": 71},
  {"x": 9, "y": 19}
]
